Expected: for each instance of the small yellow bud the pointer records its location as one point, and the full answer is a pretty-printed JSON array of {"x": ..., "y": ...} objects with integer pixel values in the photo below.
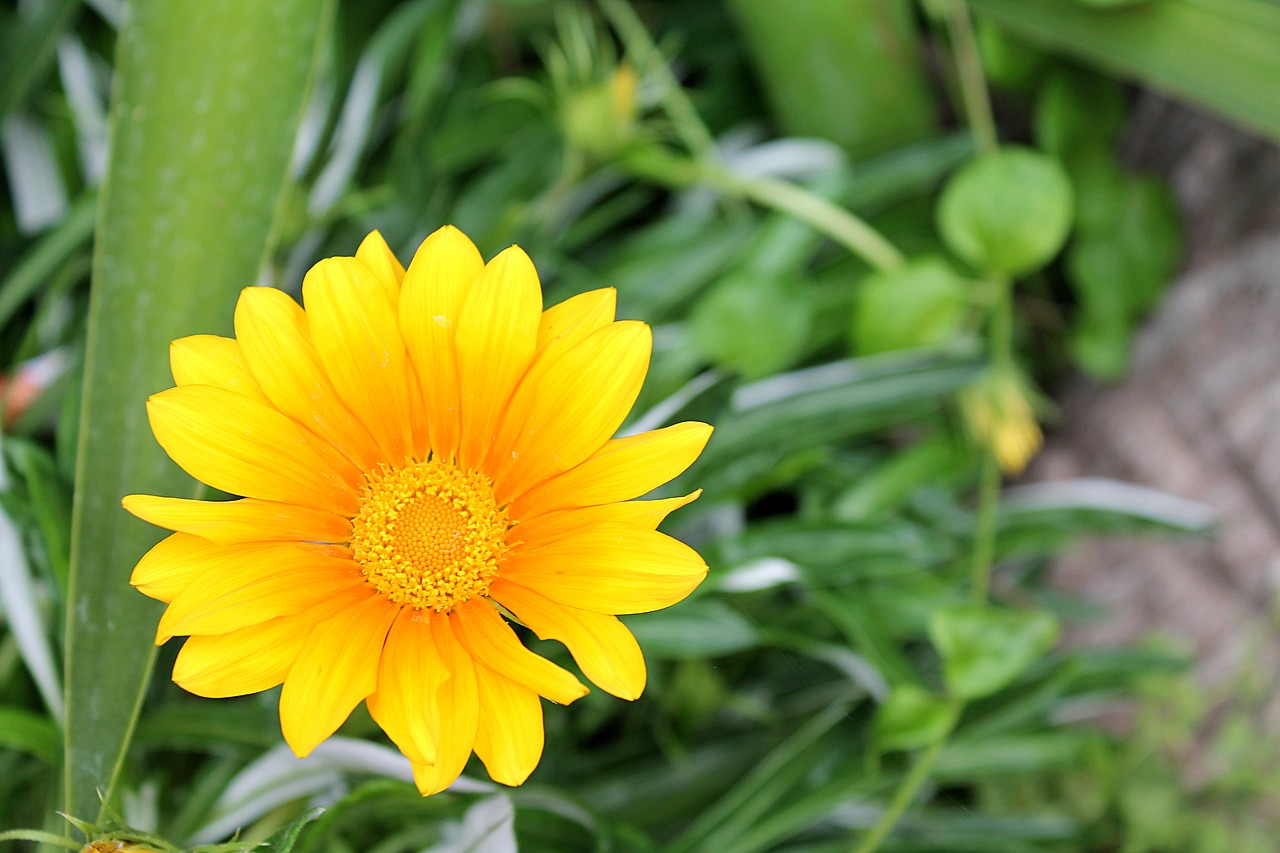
[
  {"x": 998, "y": 411},
  {"x": 600, "y": 118}
]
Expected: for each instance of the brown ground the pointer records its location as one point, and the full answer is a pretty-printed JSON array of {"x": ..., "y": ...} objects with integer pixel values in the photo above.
[{"x": 1199, "y": 413}]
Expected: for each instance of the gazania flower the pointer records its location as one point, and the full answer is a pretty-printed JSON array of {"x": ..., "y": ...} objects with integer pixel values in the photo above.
[{"x": 424, "y": 455}]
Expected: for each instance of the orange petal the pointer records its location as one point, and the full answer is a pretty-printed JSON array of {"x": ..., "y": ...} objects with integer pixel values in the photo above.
[
  {"x": 211, "y": 360},
  {"x": 256, "y": 657},
  {"x": 492, "y": 643},
  {"x": 456, "y": 714},
  {"x": 609, "y": 568},
  {"x": 336, "y": 669},
  {"x": 601, "y": 645},
  {"x": 509, "y": 735},
  {"x": 443, "y": 268},
  {"x": 561, "y": 415},
  {"x": 255, "y": 583},
  {"x": 624, "y": 468},
  {"x": 549, "y": 527},
  {"x": 356, "y": 333},
  {"x": 496, "y": 337},
  {"x": 241, "y": 446},
  {"x": 375, "y": 254},
  {"x": 273, "y": 334},
  {"x": 409, "y": 677},
  {"x": 245, "y": 520}
]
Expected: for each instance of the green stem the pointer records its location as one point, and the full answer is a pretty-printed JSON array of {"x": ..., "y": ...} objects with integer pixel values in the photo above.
[
  {"x": 837, "y": 223},
  {"x": 973, "y": 83},
  {"x": 661, "y": 165},
  {"x": 1002, "y": 323},
  {"x": 984, "y": 538},
  {"x": 907, "y": 791}
]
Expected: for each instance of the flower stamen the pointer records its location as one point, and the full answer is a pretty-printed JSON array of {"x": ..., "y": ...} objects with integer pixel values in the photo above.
[{"x": 429, "y": 535}]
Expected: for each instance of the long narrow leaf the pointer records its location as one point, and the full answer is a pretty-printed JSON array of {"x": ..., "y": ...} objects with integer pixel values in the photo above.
[
  {"x": 206, "y": 108},
  {"x": 1221, "y": 54}
]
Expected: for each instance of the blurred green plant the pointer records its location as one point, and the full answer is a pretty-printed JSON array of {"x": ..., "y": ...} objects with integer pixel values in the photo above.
[{"x": 872, "y": 663}]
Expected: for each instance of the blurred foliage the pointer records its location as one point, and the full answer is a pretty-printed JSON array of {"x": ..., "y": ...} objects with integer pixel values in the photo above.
[{"x": 864, "y": 314}]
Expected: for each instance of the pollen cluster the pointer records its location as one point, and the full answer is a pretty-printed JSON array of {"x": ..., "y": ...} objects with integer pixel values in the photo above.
[{"x": 429, "y": 535}]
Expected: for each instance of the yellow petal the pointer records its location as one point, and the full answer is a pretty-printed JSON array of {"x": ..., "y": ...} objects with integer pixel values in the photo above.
[
  {"x": 211, "y": 360},
  {"x": 409, "y": 677},
  {"x": 509, "y": 735},
  {"x": 609, "y": 568},
  {"x": 336, "y": 669},
  {"x": 276, "y": 343},
  {"x": 173, "y": 563},
  {"x": 240, "y": 446},
  {"x": 256, "y": 657},
  {"x": 442, "y": 269},
  {"x": 254, "y": 583},
  {"x": 357, "y": 336},
  {"x": 246, "y": 520},
  {"x": 496, "y": 336},
  {"x": 561, "y": 415},
  {"x": 564, "y": 325},
  {"x": 624, "y": 468},
  {"x": 549, "y": 527},
  {"x": 456, "y": 714},
  {"x": 493, "y": 644},
  {"x": 602, "y": 646},
  {"x": 375, "y": 254}
]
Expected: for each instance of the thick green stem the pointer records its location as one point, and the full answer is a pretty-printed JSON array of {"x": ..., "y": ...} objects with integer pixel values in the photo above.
[{"x": 973, "y": 83}]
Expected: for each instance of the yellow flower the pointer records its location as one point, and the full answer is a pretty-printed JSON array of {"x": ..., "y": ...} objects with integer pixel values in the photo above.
[{"x": 421, "y": 454}]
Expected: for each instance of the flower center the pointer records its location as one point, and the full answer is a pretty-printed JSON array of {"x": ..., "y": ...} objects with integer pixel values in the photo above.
[{"x": 429, "y": 535}]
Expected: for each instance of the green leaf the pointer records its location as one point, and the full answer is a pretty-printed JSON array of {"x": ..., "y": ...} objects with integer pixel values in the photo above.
[
  {"x": 1220, "y": 54},
  {"x": 1100, "y": 341},
  {"x": 1110, "y": 4},
  {"x": 28, "y": 48},
  {"x": 695, "y": 630},
  {"x": 208, "y": 98},
  {"x": 45, "y": 838},
  {"x": 919, "y": 304},
  {"x": 912, "y": 717},
  {"x": 754, "y": 325},
  {"x": 1007, "y": 212},
  {"x": 1040, "y": 518},
  {"x": 1077, "y": 109},
  {"x": 1008, "y": 61},
  {"x": 1121, "y": 265},
  {"x": 870, "y": 63},
  {"x": 983, "y": 648},
  {"x": 1000, "y": 757},
  {"x": 892, "y": 484},
  {"x": 284, "y": 840},
  {"x": 32, "y": 733},
  {"x": 51, "y": 253},
  {"x": 808, "y": 408}
]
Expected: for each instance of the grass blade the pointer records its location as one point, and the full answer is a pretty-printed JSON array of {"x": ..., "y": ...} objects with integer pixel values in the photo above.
[
  {"x": 1221, "y": 54},
  {"x": 207, "y": 105}
]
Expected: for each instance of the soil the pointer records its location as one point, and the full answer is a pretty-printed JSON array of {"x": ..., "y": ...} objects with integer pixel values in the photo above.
[{"x": 1197, "y": 416}]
